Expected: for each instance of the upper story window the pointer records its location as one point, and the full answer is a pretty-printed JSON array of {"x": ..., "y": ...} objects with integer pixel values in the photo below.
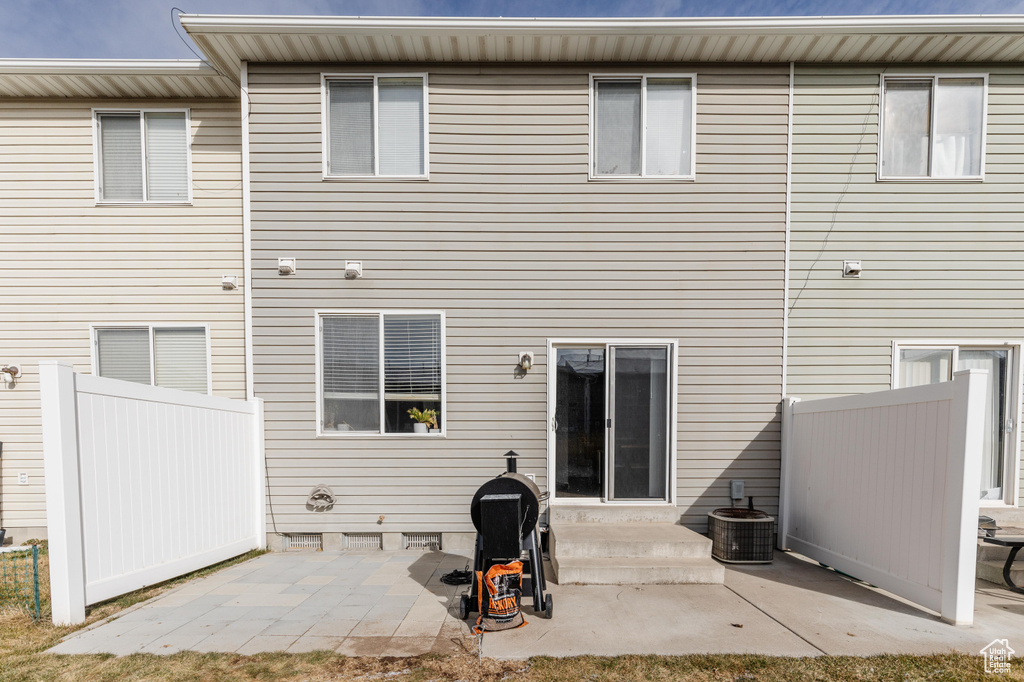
[
  {"x": 172, "y": 357},
  {"x": 142, "y": 156},
  {"x": 375, "y": 367},
  {"x": 375, "y": 126},
  {"x": 933, "y": 127},
  {"x": 642, "y": 126}
]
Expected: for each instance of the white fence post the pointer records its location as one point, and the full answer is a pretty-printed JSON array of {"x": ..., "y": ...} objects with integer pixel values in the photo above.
[
  {"x": 261, "y": 473},
  {"x": 963, "y": 481},
  {"x": 63, "y": 494},
  {"x": 782, "y": 531}
]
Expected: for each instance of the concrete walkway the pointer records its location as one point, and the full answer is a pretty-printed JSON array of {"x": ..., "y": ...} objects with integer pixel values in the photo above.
[{"x": 393, "y": 603}]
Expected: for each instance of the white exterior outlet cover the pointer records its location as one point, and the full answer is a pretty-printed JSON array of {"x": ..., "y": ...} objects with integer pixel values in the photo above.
[
  {"x": 286, "y": 266},
  {"x": 229, "y": 282},
  {"x": 22, "y": 478},
  {"x": 851, "y": 268}
]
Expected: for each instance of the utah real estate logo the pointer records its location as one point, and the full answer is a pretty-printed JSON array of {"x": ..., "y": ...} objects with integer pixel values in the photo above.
[{"x": 997, "y": 656}]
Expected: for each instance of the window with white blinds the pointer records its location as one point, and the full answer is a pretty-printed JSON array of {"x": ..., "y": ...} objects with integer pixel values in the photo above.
[
  {"x": 932, "y": 127},
  {"x": 350, "y": 349},
  {"x": 412, "y": 357},
  {"x": 143, "y": 156},
  {"x": 124, "y": 354},
  {"x": 179, "y": 358},
  {"x": 172, "y": 357},
  {"x": 376, "y": 367},
  {"x": 643, "y": 126},
  {"x": 375, "y": 126}
]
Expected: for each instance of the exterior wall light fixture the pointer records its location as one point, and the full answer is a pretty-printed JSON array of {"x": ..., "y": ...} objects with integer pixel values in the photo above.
[{"x": 526, "y": 360}]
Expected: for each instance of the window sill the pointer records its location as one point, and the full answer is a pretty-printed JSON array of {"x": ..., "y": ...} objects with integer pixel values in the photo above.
[
  {"x": 973, "y": 178},
  {"x": 143, "y": 203},
  {"x": 375, "y": 178},
  {"x": 366, "y": 434},
  {"x": 643, "y": 178}
]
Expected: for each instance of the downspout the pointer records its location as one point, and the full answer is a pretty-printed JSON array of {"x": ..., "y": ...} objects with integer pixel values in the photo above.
[
  {"x": 247, "y": 232},
  {"x": 789, "y": 207}
]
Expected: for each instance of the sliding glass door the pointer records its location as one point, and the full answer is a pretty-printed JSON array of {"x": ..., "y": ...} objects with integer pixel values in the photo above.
[
  {"x": 639, "y": 428},
  {"x": 929, "y": 365},
  {"x": 612, "y": 422}
]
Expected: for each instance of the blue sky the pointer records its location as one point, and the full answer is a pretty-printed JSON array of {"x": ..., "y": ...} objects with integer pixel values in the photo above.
[{"x": 137, "y": 29}]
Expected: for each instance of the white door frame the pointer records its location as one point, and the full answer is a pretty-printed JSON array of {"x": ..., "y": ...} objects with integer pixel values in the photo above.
[
  {"x": 1011, "y": 468},
  {"x": 673, "y": 399}
]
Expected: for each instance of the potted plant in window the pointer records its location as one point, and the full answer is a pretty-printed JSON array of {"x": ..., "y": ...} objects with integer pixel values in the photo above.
[{"x": 423, "y": 419}]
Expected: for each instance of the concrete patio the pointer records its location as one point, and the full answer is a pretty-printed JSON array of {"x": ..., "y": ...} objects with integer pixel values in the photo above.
[{"x": 394, "y": 604}]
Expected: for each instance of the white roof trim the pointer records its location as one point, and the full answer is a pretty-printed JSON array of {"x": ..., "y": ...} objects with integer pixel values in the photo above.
[
  {"x": 957, "y": 24},
  {"x": 135, "y": 67},
  {"x": 113, "y": 78}
]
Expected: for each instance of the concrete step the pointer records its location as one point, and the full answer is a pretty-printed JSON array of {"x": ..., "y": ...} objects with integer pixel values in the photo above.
[
  {"x": 990, "y": 552},
  {"x": 612, "y": 513},
  {"x": 636, "y": 540},
  {"x": 1005, "y": 516},
  {"x": 631, "y": 571},
  {"x": 992, "y": 571}
]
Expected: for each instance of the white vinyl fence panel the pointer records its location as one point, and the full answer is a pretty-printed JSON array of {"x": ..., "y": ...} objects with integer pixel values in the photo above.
[
  {"x": 144, "y": 484},
  {"x": 883, "y": 486}
]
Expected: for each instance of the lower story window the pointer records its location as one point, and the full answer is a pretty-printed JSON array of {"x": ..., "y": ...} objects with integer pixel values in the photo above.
[
  {"x": 381, "y": 372},
  {"x": 171, "y": 357}
]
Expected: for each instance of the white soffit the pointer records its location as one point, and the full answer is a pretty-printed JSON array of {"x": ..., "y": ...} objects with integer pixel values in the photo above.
[
  {"x": 229, "y": 39},
  {"x": 112, "y": 78}
]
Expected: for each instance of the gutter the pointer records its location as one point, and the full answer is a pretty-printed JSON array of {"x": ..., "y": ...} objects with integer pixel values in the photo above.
[
  {"x": 247, "y": 232},
  {"x": 789, "y": 213}
]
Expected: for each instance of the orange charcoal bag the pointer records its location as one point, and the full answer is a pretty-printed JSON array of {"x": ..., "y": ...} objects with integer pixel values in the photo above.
[{"x": 500, "y": 608}]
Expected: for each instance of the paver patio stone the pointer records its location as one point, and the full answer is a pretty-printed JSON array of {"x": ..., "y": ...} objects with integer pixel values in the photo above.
[
  {"x": 308, "y": 643},
  {"x": 364, "y": 646},
  {"x": 375, "y": 628},
  {"x": 333, "y": 627},
  {"x": 262, "y": 643},
  {"x": 419, "y": 628}
]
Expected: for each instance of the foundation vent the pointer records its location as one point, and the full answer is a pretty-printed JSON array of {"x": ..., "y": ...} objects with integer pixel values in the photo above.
[
  {"x": 362, "y": 541},
  {"x": 297, "y": 541},
  {"x": 424, "y": 541}
]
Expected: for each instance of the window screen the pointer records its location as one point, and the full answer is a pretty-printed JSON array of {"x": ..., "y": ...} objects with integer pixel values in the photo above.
[
  {"x": 123, "y": 354},
  {"x": 351, "y": 127},
  {"x": 179, "y": 359},
  {"x": 389, "y": 139},
  {"x": 120, "y": 157},
  {"x": 617, "y": 143}
]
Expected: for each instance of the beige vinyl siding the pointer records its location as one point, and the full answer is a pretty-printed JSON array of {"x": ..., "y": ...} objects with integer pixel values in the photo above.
[
  {"x": 513, "y": 242},
  {"x": 69, "y": 263},
  {"x": 942, "y": 259}
]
